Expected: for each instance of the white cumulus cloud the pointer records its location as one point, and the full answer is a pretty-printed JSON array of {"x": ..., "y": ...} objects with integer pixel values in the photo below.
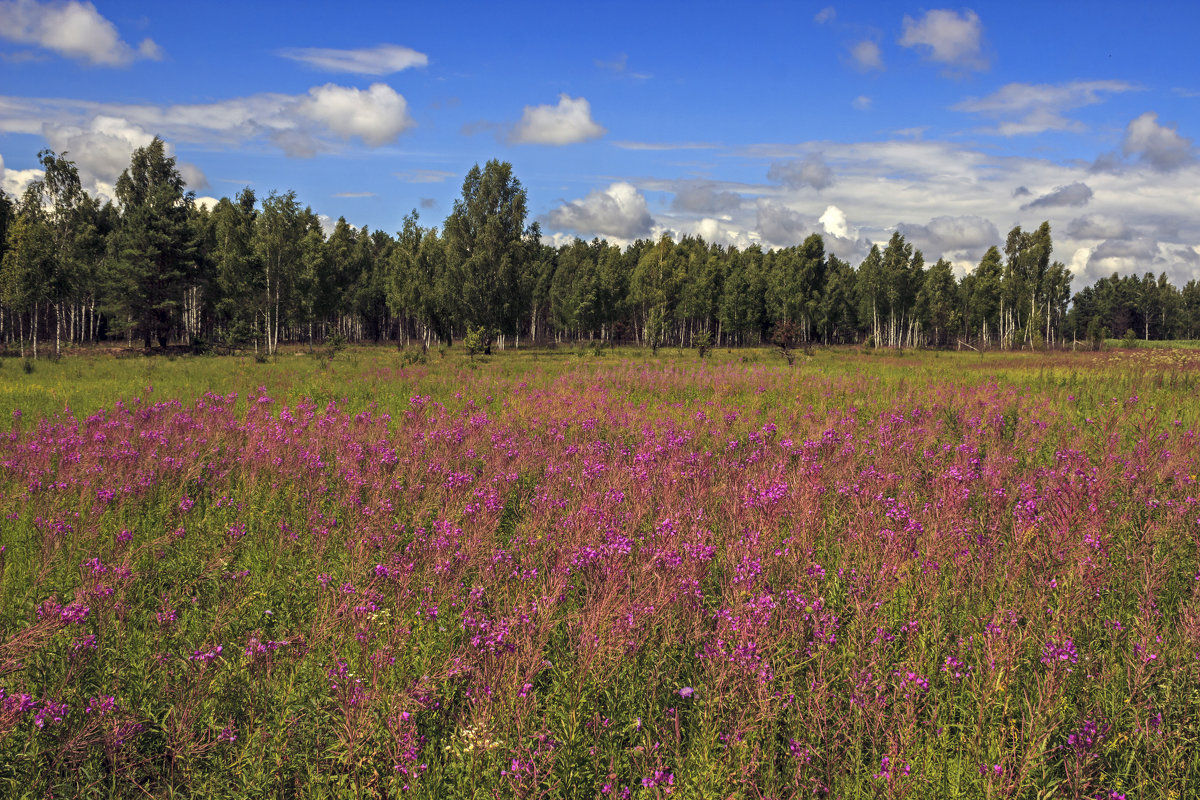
[
  {"x": 703, "y": 197},
  {"x": 100, "y": 147},
  {"x": 72, "y": 29},
  {"x": 100, "y": 137},
  {"x": 811, "y": 171},
  {"x": 619, "y": 211},
  {"x": 1160, "y": 146},
  {"x": 867, "y": 55},
  {"x": 780, "y": 225},
  {"x": 947, "y": 235},
  {"x": 300, "y": 125},
  {"x": 377, "y": 116},
  {"x": 569, "y": 122},
  {"x": 948, "y": 37},
  {"x": 14, "y": 181},
  {"x": 834, "y": 222},
  {"x": 383, "y": 59},
  {"x": 1098, "y": 226}
]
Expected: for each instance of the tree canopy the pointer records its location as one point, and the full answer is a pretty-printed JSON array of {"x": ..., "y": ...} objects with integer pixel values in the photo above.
[{"x": 260, "y": 271}]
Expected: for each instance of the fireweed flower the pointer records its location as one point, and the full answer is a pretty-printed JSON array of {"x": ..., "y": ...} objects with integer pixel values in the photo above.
[
  {"x": 75, "y": 613},
  {"x": 1064, "y": 653},
  {"x": 206, "y": 656},
  {"x": 100, "y": 705},
  {"x": 50, "y": 713},
  {"x": 659, "y": 778},
  {"x": 686, "y": 691}
]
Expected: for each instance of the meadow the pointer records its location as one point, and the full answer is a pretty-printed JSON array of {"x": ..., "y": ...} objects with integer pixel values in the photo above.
[{"x": 611, "y": 575}]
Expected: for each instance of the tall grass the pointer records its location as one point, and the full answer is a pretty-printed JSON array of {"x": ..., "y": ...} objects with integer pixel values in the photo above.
[{"x": 934, "y": 575}]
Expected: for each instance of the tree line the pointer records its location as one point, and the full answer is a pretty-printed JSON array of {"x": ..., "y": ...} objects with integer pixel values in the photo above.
[{"x": 156, "y": 268}]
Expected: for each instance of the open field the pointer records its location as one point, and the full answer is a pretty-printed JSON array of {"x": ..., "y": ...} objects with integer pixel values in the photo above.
[{"x": 552, "y": 574}]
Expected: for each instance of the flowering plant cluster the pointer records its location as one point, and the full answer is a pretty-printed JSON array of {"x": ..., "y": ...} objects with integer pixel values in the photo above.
[{"x": 862, "y": 576}]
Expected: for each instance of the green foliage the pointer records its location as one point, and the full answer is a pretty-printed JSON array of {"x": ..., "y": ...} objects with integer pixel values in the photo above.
[
  {"x": 488, "y": 247},
  {"x": 335, "y": 343},
  {"x": 412, "y": 356},
  {"x": 261, "y": 272},
  {"x": 1096, "y": 333},
  {"x": 478, "y": 341},
  {"x": 703, "y": 342},
  {"x": 153, "y": 250}
]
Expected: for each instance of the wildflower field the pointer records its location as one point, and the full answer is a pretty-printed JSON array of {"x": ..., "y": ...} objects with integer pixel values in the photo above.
[{"x": 550, "y": 574}]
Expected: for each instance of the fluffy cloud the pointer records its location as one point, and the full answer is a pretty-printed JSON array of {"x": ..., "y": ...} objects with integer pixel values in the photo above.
[
  {"x": 951, "y": 235},
  {"x": 826, "y": 14},
  {"x": 100, "y": 147},
  {"x": 867, "y": 55},
  {"x": 1025, "y": 108},
  {"x": 957, "y": 199},
  {"x": 383, "y": 59},
  {"x": 711, "y": 230},
  {"x": 947, "y": 37},
  {"x": 1098, "y": 226},
  {"x": 811, "y": 171},
  {"x": 14, "y": 181},
  {"x": 1160, "y": 146},
  {"x": 569, "y": 122},
  {"x": 101, "y": 135},
  {"x": 779, "y": 225},
  {"x": 834, "y": 222},
  {"x": 862, "y": 103},
  {"x": 619, "y": 211},
  {"x": 1075, "y": 194},
  {"x": 1128, "y": 256},
  {"x": 377, "y": 116},
  {"x": 702, "y": 197},
  {"x": 73, "y": 29}
]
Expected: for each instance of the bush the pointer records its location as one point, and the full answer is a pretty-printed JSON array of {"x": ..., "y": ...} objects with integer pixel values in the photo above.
[
  {"x": 334, "y": 344},
  {"x": 1129, "y": 340},
  {"x": 704, "y": 343},
  {"x": 478, "y": 341},
  {"x": 413, "y": 356},
  {"x": 784, "y": 336}
]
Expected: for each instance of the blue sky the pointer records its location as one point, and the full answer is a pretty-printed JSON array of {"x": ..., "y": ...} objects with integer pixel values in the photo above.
[{"x": 757, "y": 123}]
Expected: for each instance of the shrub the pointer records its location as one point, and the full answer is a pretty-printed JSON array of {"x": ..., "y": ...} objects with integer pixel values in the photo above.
[
  {"x": 784, "y": 336},
  {"x": 478, "y": 341}
]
